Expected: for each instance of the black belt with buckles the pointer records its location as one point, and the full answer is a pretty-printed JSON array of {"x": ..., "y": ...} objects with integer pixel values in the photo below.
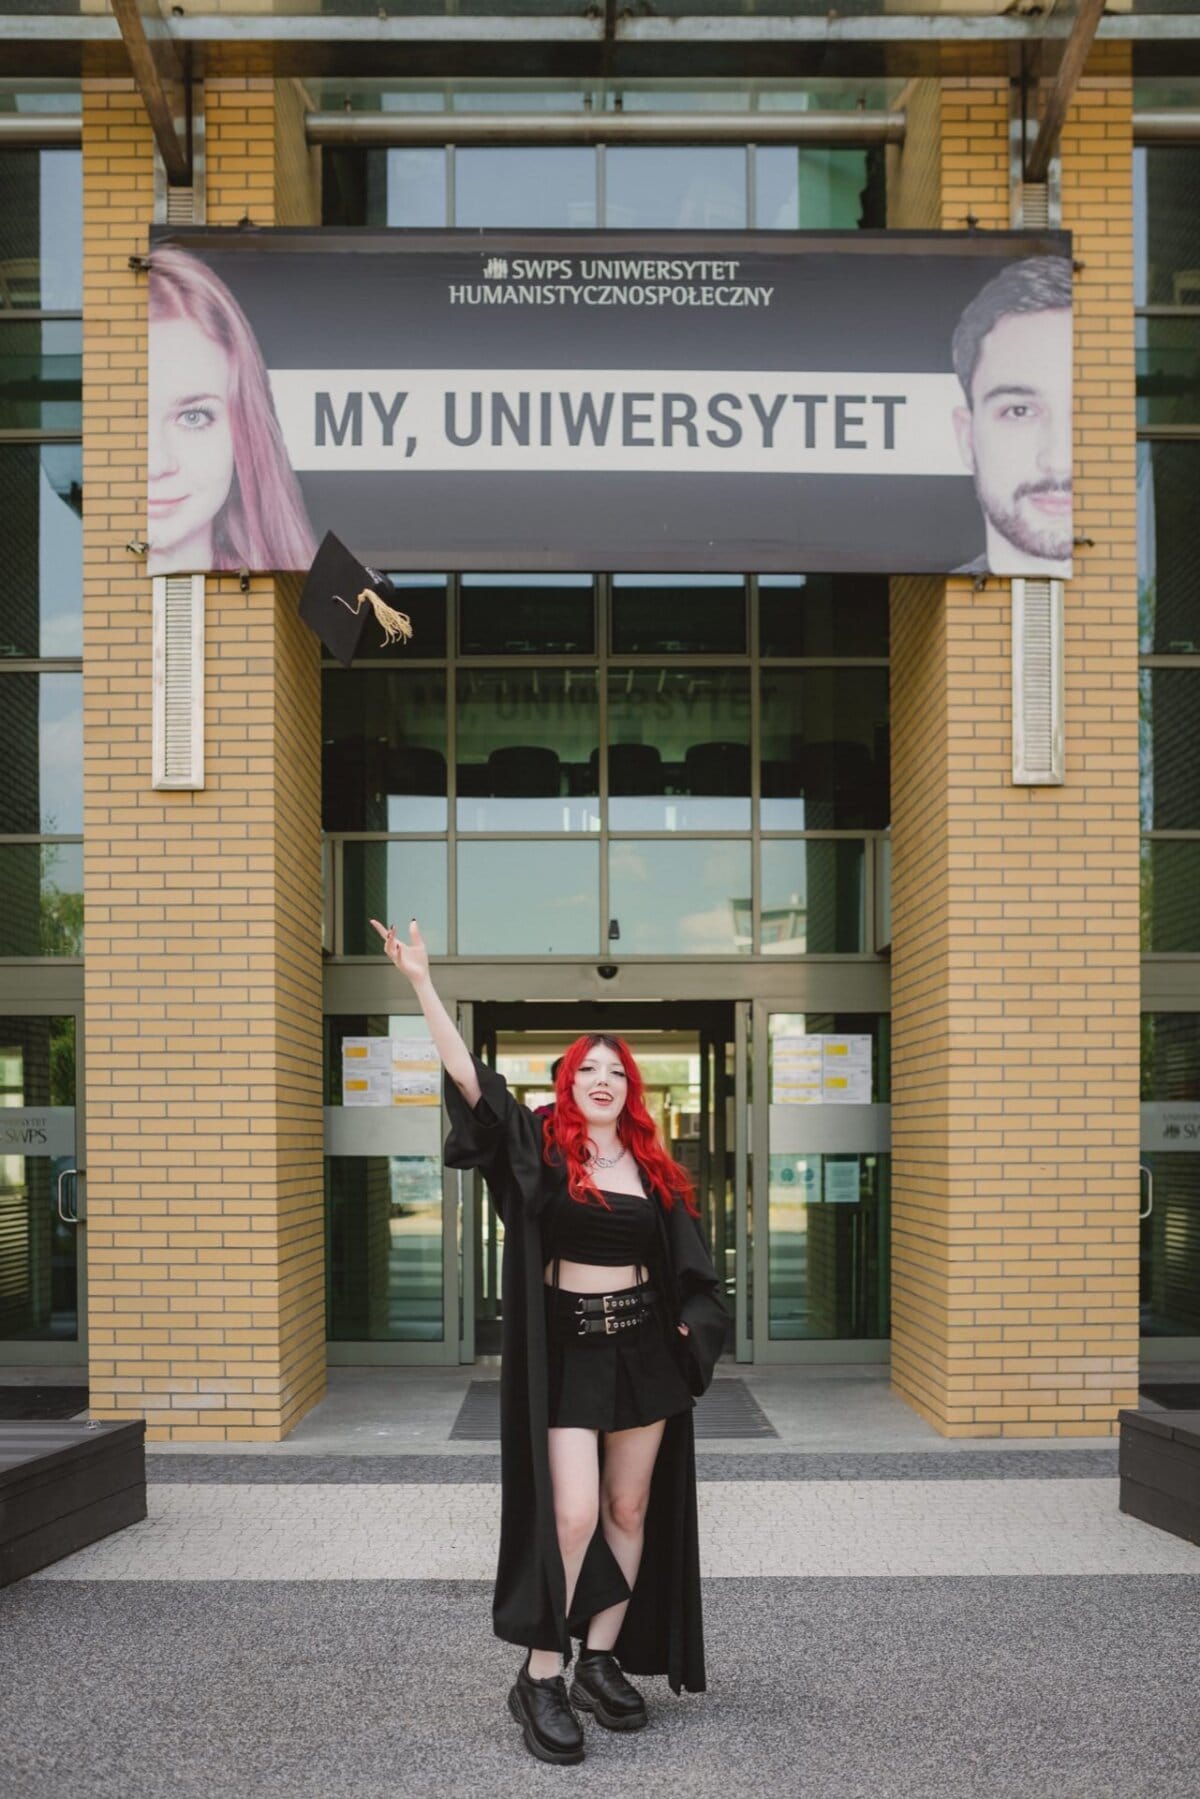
[{"x": 604, "y": 1314}]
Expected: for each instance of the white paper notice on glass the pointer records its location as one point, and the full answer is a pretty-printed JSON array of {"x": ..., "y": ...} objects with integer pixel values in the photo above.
[
  {"x": 846, "y": 1071},
  {"x": 366, "y": 1071},
  {"x": 416, "y": 1072},
  {"x": 796, "y": 1069},
  {"x": 841, "y": 1181}
]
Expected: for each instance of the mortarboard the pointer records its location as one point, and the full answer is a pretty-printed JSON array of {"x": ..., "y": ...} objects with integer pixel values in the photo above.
[{"x": 342, "y": 595}]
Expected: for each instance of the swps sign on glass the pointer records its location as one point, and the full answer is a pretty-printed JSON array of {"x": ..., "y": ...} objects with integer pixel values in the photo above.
[{"x": 894, "y": 402}]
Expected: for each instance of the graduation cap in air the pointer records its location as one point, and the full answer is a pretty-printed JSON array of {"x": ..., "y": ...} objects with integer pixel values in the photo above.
[{"x": 342, "y": 597}]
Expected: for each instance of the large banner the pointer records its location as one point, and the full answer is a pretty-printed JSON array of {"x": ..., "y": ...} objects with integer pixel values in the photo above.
[{"x": 896, "y": 402}]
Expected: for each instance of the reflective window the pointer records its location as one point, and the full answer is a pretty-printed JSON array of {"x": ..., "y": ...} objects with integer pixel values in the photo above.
[
  {"x": 416, "y": 188},
  {"x": 393, "y": 882},
  {"x": 1170, "y": 870},
  {"x": 41, "y": 500},
  {"x": 1166, "y": 189},
  {"x": 38, "y": 1288},
  {"x": 41, "y": 373},
  {"x": 679, "y": 749},
  {"x": 813, "y": 897},
  {"x": 825, "y": 750},
  {"x": 384, "y": 1249},
  {"x": 529, "y": 899},
  {"x": 41, "y": 753},
  {"x": 679, "y": 898},
  {"x": 673, "y": 615},
  {"x": 697, "y": 188},
  {"x": 545, "y": 188},
  {"x": 1170, "y": 749},
  {"x": 1168, "y": 549},
  {"x": 1168, "y": 370},
  {"x": 41, "y": 231},
  {"x": 527, "y": 755},
  {"x": 1170, "y": 1060},
  {"x": 823, "y": 615},
  {"x": 527, "y": 615},
  {"x": 1170, "y": 1234},
  {"x": 813, "y": 190},
  {"x": 41, "y": 899},
  {"x": 828, "y": 1208},
  {"x": 384, "y": 749}
]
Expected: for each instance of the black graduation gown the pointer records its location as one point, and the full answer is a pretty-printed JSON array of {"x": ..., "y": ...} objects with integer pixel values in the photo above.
[{"x": 663, "y": 1632}]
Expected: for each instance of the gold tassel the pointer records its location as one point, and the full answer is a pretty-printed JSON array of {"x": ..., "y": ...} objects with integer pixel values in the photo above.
[{"x": 396, "y": 626}]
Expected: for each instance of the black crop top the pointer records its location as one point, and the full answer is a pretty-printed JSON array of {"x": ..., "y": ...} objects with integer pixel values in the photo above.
[{"x": 622, "y": 1236}]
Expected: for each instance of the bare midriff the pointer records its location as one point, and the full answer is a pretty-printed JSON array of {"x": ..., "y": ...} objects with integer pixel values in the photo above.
[{"x": 589, "y": 1277}]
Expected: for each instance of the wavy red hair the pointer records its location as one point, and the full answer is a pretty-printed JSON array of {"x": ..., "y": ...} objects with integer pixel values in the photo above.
[{"x": 565, "y": 1132}]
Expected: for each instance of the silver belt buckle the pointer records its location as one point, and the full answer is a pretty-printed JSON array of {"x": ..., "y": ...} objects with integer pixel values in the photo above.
[
  {"x": 610, "y": 1325},
  {"x": 604, "y": 1299}
]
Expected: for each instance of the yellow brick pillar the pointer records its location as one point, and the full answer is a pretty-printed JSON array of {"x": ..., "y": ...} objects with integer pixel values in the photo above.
[
  {"x": 1015, "y": 954},
  {"x": 203, "y": 959}
]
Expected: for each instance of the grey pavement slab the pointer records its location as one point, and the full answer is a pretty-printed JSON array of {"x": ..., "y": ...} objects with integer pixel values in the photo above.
[{"x": 1071, "y": 1688}]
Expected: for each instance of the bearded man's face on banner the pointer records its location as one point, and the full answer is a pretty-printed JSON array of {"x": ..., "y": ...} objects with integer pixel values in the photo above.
[{"x": 1016, "y": 435}]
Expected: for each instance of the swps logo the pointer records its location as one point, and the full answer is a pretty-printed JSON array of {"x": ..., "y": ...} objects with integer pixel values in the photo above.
[{"x": 495, "y": 268}]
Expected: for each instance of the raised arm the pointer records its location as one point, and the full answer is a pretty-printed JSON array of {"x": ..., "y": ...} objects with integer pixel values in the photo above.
[{"x": 412, "y": 959}]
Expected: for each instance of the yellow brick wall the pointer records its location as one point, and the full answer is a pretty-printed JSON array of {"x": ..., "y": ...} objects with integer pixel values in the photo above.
[
  {"x": 1015, "y": 956},
  {"x": 203, "y": 970}
]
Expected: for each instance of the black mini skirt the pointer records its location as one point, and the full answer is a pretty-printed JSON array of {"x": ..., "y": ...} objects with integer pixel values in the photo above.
[{"x": 610, "y": 1383}]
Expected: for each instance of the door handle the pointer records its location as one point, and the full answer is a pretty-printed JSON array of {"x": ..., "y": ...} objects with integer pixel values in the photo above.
[
  {"x": 1145, "y": 1168},
  {"x": 67, "y": 1217}
]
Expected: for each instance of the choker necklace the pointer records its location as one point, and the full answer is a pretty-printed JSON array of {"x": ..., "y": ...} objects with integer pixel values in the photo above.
[{"x": 608, "y": 1161}]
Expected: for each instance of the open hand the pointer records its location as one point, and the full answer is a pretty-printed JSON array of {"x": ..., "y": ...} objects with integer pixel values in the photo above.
[{"x": 411, "y": 958}]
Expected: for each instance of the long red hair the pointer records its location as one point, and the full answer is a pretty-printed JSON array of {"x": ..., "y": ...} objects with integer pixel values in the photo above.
[{"x": 565, "y": 1132}]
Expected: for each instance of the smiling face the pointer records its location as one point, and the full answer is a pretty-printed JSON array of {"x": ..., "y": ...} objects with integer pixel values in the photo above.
[
  {"x": 600, "y": 1085},
  {"x": 191, "y": 443},
  {"x": 1016, "y": 436}
]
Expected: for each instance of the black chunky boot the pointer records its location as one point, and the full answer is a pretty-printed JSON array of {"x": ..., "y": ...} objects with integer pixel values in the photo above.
[
  {"x": 551, "y": 1730},
  {"x": 600, "y": 1687}
]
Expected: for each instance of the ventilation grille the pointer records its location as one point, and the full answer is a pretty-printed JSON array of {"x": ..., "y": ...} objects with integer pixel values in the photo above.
[
  {"x": 179, "y": 681},
  {"x": 1037, "y": 682},
  {"x": 1034, "y": 206},
  {"x": 181, "y": 206}
]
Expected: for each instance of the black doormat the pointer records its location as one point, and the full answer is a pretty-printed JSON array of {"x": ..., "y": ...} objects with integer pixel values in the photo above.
[
  {"x": 728, "y": 1409},
  {"x": 29, "y": 1403},
  {"x": 1179, "y": 1395}
]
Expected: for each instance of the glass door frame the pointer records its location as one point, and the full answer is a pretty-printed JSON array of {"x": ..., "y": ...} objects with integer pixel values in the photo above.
[
  {"x": 23, "y": 998},
  {"x": 870, "y": 1351},
  {"x": 441, "y": 1352}
]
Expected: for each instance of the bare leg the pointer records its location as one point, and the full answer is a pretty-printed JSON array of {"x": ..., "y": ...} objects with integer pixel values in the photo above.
[
  {"x": 629, "y": 1457},
  {"x": 575, "y": 1477}
]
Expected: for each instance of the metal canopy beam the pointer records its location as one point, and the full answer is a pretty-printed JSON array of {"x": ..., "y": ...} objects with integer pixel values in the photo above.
[
  {"x": 1075, "y": 54},
  {"x": 49, "y": 130},
  {"x": 856, "y": 127},
  {"x": 156, "y": 70}
]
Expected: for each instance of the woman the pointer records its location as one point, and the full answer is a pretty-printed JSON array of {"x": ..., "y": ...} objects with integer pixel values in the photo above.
[
  {"x": 612, "y": 1321},
  {"x": 222, "y": 493}
]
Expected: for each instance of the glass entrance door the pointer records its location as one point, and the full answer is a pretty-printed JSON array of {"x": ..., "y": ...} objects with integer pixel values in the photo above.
[
  {"x": 823, "y": 1170},
  {"x": 694, "y": 1064},
  {"x": 42, "y": 1196}
]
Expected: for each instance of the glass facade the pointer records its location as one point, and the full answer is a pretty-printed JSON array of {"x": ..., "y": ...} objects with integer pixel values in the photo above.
[
  {"x": 1166, "y": 183},
  {"x": 41, "y": 498},
  {"x": 1170, "y": 1227},
  {"x": 648, "y": 789}
]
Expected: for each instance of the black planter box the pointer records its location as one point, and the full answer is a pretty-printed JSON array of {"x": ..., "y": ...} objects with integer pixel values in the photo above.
[
  {"x": 1160, "y": 1470},
  {"x": 63, "y": 1486}
]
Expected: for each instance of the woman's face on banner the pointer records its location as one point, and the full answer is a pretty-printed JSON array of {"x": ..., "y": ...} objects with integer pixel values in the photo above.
[{"x": 191, "y": 443}]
